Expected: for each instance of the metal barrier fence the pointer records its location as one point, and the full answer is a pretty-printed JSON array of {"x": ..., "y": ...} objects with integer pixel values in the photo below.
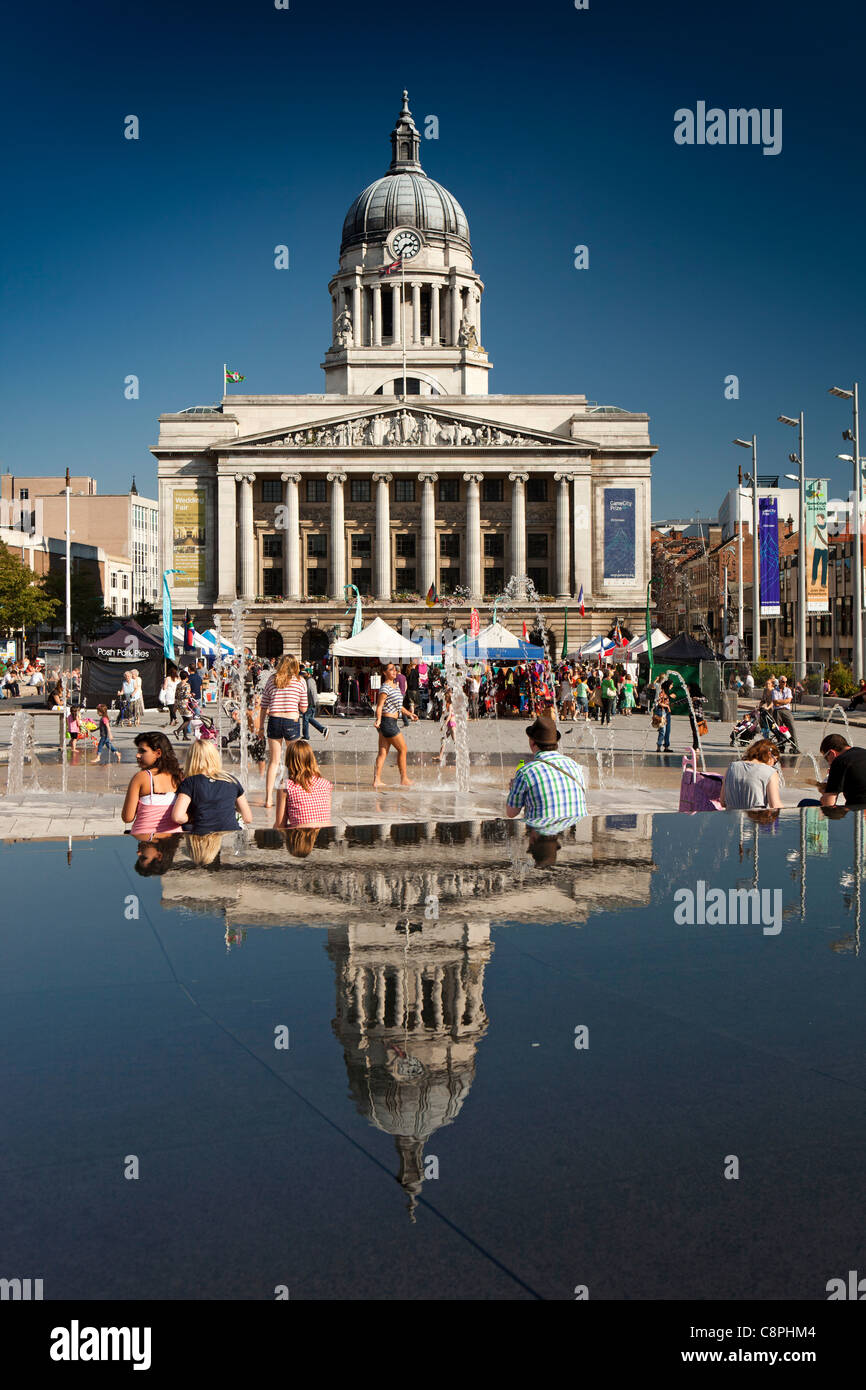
[{"x": 718, "y": 677}]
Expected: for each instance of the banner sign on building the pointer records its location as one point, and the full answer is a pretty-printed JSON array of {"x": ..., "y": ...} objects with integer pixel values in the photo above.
[
  {"x": 768, "y": 541},
  {"x": 619, "y": 535},
  {"x": 817, "y": 546},
  {"x": 189, "y": 554}
]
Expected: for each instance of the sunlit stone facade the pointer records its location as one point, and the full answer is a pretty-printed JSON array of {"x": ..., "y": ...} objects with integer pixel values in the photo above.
[{"x": 404, "y": 473}]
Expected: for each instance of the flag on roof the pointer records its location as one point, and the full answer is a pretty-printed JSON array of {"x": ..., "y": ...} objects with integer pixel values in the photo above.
[
  {"x": 234, "y": 376},
  {"x": 389, "y": 269}
]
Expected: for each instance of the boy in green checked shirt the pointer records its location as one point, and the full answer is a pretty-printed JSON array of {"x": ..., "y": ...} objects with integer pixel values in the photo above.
[{"x": 549, "y": 787}]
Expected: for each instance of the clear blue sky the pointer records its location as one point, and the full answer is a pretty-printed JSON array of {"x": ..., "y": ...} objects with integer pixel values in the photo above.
[{"x": 259, "y": 126}]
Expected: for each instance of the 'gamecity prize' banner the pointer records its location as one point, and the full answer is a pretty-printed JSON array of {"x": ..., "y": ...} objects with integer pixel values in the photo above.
[{"x": 768, "y": 541}]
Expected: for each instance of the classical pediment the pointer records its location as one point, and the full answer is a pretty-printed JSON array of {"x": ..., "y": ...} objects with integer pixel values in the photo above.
[{"x": 405, "y": 427}]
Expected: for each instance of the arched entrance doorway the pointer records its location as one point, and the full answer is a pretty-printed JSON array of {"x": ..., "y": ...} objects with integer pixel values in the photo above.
[
  {"x": 269, "y": 643},
  {"x": 314, "y": 644}
]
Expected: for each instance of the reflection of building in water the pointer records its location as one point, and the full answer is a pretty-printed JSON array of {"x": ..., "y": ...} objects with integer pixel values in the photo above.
[
  {"x": 410, "y": 1015},
  {"x": 602, "y": 862},
  {"x": 409, "y": 909}
]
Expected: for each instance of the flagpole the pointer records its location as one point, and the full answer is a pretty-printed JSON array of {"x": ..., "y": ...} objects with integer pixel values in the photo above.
[
  {"x": 225, "y": 378},
  {"x": 403, "y": 316}
]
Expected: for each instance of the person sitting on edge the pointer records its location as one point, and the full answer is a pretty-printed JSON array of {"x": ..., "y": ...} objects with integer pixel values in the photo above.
[
  {"x": 549, "y": 787},
  {"x": 752, "y": 784},
  {"x": 858, "y": 699},
  {"x": 305, "y": 796},
  {"x": 208, "y": 799},
  {"x": 847, "y": 775}
]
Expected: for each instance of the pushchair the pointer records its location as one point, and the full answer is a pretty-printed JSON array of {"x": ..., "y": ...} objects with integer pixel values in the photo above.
[
  {"x": 125, "y": 712},
  {"x": 746, "y": 729},
  {"x": 776, "y": 725}
]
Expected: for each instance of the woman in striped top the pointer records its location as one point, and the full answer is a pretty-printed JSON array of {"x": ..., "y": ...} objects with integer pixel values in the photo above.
[
  {"x": 389, "y": 707},
  {"x": 284, "y": 700}
]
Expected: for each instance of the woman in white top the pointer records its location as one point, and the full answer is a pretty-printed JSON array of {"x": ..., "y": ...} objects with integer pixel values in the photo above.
[
  {"x": 389, "y": 708},
  {"x": 137, "y": 697},
  {"x": 753, "y": 783}
]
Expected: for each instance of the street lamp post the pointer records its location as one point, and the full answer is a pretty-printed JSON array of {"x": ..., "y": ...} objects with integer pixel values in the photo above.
[
  {"x": 756, "y": 576},
  {"x": 857, "y": 557},
  {"x": 800, "y": 459}
]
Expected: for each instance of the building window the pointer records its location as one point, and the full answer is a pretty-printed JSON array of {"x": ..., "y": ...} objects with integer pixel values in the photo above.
[
  {"x": 494, "y": 543},
  {"x": 536, "y": 489},
  {"x": 126, "y": 581},
  {"x": 317, "y": 490},
  {"x": 272, "y": 582},
  {"x": 536, "y": 545},
  {"x": 272, "y": 546},
  {"x": 363, "y": 580},
  {"x": 494, "y": 581},
  {"x": 361, "y": 545},
  {"x": 359, "y": 489},
  {"x": 24, "y": 494},
  {"x": 449, "y": 578},
  {"x": 405, "y": 579},
  {"x": 406, "y": 546},
  {"x": 317, "y": 546},
  {"x": 272, "y": 490},
  {"x": 539, "y": 579},
  {"x": 449, "y": 545},
  {"x": 317, "y": 582},
  {"x": 449, "y": 489},
  {"x": 492, "y": 490},
  {"x": 404, "y": 490}
]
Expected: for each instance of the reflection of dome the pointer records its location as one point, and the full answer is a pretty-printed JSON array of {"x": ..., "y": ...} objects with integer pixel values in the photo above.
[{"x": 405, "y": 197}]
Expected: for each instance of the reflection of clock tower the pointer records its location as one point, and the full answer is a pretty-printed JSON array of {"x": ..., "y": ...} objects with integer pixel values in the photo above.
[{"x": 427, "y": 308}]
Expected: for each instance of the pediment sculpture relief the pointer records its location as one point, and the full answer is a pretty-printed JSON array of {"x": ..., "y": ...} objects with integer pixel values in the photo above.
[{"x": 399, "y": 428}]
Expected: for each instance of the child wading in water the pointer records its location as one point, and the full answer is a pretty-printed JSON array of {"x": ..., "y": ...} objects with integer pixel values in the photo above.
[
  {"x": 104, "y": 736},
  {"x": 449, "y": 725}
]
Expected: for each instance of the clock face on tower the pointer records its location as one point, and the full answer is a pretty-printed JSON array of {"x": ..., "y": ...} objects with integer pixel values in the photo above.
[{"x": 405, "y": 244}]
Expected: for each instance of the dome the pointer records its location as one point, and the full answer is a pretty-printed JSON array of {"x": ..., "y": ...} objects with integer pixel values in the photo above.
[
  {"x": 405, "y": 200},
  {"x": 405, "y": 197}
]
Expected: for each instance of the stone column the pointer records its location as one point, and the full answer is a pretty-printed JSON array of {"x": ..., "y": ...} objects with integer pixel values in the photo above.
[
  {"x": 428, "y": 530},
  {"x": 377, "y": 315},
  {"x": 518, "y": 525},
  {"x": 416, "y": 313},
  {"x": 434, "y": 314},
  {"x": 563, "y": 540},
  {"x": 473, "y": 536},
  {"x": 396, "y": 325},
  {"x": 292, "y": 558},
  {"x": 478, "y": 316},
  {"x": 455, "y": 315},
  {"x": 338, "y": 536},
  {"x": 246, "y": 536},
  {"x": 357, "y": 325},
  {"x": 582, "y": 528},
  {"x": 227, "y": 534},
  {"x": 383, "y": 536}
]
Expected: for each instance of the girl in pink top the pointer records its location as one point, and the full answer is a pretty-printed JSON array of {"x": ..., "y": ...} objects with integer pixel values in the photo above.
[
  {"x": 305, "y": 796},
  {"x": 151, "y": 793},
  {"x": 284, "y": 700}
]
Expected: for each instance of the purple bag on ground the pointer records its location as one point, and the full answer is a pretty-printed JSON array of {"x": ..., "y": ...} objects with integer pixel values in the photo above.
[{"x": 699, "y": 791}]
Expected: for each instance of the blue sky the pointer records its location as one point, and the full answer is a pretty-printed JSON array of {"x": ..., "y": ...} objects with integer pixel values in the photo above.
[{"x": 259, "y": 126}]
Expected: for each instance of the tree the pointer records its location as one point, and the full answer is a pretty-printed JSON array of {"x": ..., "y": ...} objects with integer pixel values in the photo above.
[
  {"x": 87, "y": 608},
  {"x": 25, "y": 599}
]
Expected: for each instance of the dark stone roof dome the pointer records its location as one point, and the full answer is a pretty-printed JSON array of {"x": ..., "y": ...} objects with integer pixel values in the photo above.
[{"x": 405, "y": 197}]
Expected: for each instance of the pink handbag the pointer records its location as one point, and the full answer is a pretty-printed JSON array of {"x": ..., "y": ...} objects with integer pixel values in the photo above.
[{"x": 699, "y": 791}]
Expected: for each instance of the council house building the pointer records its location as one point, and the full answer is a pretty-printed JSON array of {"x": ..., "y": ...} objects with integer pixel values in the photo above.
[{"x": 405, "y": 473}]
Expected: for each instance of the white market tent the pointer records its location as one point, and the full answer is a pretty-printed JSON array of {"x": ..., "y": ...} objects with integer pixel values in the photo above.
[
  {"x": 377, "y": 640},
  {"x": 639, "y": 644},
  {"x": 597, "y": 646}
]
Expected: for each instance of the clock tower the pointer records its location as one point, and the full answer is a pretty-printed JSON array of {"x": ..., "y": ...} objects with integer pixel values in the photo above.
[{"x": 406, "y": 301}]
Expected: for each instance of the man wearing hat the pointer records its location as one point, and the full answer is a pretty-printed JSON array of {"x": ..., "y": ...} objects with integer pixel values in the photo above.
[{"x": 549, "y": 787}]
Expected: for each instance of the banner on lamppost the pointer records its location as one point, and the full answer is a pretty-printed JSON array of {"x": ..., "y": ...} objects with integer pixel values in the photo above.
[
  {"x": 768, "y": 539},
  {"x": 817, "y": 546}
]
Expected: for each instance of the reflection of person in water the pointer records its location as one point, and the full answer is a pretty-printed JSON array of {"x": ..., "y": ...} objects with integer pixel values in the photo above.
[
  {"x": 204, "y": 850},
  {"x": 820, "y": 548},
  {"x": 301, "y": 840},
  {"x": 543, "y": 848},
  {"x": 156, "y": 854}
]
